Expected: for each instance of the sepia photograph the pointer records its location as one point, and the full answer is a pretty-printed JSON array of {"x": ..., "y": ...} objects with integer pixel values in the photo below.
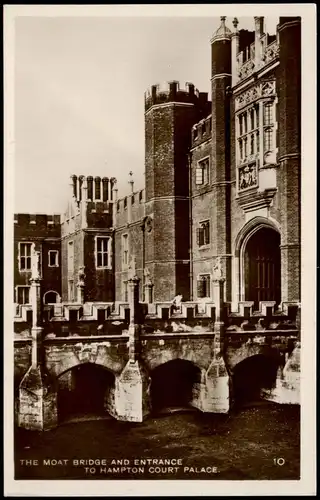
[{"x": 158, "y": 246}]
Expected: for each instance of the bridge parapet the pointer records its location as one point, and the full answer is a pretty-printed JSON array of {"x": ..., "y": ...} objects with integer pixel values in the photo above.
[
  {"x": 109, "y": 317},
  {"x": 266, "y": 308},
  {"x": 187, "y": 310},
  {"x": 266, "y": 318}
]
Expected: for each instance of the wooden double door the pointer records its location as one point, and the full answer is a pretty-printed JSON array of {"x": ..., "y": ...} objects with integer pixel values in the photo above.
[{"x": 262, "y": 267}]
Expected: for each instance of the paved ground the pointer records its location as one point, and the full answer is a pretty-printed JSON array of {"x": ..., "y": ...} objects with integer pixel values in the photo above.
[{"x": 243, "y": 445}]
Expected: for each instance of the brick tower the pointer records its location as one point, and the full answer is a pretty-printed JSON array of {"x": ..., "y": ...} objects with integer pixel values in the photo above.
[
  {"x": 87, "y": 260},
  {"x": 220, "y": 169},
  {"x": 169, "y": 116},
  {"x": 288, "y": 91}
]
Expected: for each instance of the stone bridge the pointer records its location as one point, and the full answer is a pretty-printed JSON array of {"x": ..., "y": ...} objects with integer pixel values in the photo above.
[{"x": 209, "y": 360}]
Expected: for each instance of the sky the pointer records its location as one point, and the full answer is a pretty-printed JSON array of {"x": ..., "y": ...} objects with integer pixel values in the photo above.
[{"x": 79, "y": 86}]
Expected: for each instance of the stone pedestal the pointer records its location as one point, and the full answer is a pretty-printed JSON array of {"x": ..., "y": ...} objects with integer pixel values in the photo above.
[
  {"x": 131, "y": 395},
  {"x": 218, "y": 296},
  {"x": 36, "y": 349},
  {"x": 134, "y": 298},
  {"x": 80, "y": 293},
  {"x": 287, "y": 388},
  {"x": 148, "y": 288},
  {"x": 134, "y": 327},
  {"x": 212, "y": 393},
  {"x": 37, "y": 401},
  {"x": 81, "y": 285},
  {"x": 131, "y": 398},
  {"x": 134, "y": 342},
  {"x": 37, "y": 407},
  {"x": 35, "y": 298}
]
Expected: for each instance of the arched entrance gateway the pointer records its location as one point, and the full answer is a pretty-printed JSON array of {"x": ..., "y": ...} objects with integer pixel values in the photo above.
[
  {"x": 259, "y": 258},
  {"x": 262, "y": 267}
]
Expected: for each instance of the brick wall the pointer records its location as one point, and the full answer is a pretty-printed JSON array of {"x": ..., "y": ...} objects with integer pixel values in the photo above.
[
  {"x": 135, "y": 248},
  {"x": 288, "y": 89},
  {"x": 165, "y": 248},
  {"x": 168, "y": 138},
  {"x": 44, "y": 231},
  {"x": 99, "y": 283}
]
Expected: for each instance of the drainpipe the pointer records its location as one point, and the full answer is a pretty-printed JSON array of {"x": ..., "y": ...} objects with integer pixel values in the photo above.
[{"x": 190, "y": 227}]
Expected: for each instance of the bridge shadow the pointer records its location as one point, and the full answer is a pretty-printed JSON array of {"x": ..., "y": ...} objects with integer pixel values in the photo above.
[
  {"x": 84, "y": 392},
  {"x": 172, "y": 385},
  {"x": 250, "y": 376}
]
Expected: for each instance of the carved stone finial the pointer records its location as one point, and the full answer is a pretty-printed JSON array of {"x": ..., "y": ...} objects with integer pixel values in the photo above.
[
  {"x": 147, "y": 277},
  {"x": 81, "y": 276},
  {"x": 132, "y": 267},
  {"x": 146, "y": 272},
  {"x": 222, "y": 19},
  {"x": 217, "y": 269},
  {"x": 131, "y": 181},
  {"x": 235, "y": 22},
  {"x": 35, "y": 264}
]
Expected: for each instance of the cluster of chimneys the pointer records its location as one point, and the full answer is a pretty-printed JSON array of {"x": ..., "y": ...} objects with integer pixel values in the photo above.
[{"x": 93, "y": 188}]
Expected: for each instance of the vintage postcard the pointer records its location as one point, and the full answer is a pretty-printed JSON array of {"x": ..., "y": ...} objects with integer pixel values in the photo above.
[{"x": 160, "y": 250}]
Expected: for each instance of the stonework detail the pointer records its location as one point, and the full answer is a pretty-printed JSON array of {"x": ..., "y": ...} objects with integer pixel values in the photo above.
[
  {"x": 217, "y": 270},
  {"x": 265, "y": 89},
  {"x": 87, "y": 353},
  {"x": 248, "y": 177},
  {"x": 271, "y": 52},
  {"x": 249, "y": 67},
  {"x": 246, "y": 69}
]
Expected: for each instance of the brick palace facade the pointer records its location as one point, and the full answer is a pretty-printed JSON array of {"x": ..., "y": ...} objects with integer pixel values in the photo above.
[{"x": 222, "y": 192}]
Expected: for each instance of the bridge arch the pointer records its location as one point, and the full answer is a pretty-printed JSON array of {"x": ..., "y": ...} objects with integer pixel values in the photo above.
[
  {"x": 63, "y": 357},
  {"x": 158, "y": 355},
  {"x": 256, "y": 267},
  {"x": 86, "y": 389},
  {"x": 237, "y": 354},
  {"x": 173, "y": 384},
  {"x": 253, "y": 374}
]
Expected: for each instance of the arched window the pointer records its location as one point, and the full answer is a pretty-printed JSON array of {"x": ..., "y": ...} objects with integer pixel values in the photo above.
[{"x": 51, "y": 297}]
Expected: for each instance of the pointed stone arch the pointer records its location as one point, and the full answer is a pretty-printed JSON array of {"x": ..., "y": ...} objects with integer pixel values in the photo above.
[{"x": 245, "y": 234}]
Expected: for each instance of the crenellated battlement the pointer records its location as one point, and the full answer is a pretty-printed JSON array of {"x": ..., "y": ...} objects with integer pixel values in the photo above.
[
  {"x": 39, "y": 221},
  {"x": 201, "y": 131},
  {"x": 171, "y": 92},
  {"x": 132, "y": 199}
]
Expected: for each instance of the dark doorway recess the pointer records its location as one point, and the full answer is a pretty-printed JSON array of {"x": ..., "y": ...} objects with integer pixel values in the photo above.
[
  {"x": 172, "y": 385},
  {"x": 84, "y": 391},
  {"x": 262, "y": 267},
  {"x": 251, "y": 375}
]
